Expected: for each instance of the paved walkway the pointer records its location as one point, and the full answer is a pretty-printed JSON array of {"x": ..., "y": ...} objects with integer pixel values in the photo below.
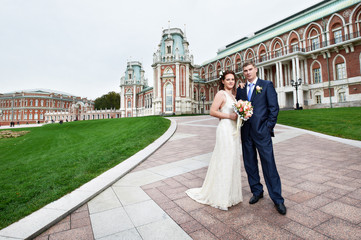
[{"x": 321, "y": 180}]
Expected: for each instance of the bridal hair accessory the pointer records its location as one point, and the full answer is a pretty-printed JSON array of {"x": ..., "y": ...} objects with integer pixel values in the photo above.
[
  {"x": 244, "y": 110},
  {"x": 221, "y": 74}
]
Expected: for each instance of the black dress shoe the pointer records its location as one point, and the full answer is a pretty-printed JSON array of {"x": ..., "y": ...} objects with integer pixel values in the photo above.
[
  {"x": 281, "y": 208},
  {"x": 255, "y": 198}
]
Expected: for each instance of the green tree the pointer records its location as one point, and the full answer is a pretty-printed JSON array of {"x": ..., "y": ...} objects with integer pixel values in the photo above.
[{"x": 107, "y": 101}]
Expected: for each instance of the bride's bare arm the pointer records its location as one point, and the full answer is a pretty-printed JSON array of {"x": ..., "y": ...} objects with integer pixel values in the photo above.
[{"x": 218, "y": 102}]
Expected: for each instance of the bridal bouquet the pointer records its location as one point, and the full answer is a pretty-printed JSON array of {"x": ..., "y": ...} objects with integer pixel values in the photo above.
[{"x": 244, "y": 110}]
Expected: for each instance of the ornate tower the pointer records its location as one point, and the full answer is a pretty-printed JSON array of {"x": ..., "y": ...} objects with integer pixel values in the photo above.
[
  {"x": 173, "y": 70},
  {"x": 131, "y": 84}
]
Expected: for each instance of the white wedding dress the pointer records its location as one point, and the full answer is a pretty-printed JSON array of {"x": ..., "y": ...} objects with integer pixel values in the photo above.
[{"x": 222, "y": 187}]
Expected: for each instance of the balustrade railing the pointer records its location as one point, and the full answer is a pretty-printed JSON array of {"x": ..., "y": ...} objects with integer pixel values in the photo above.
[{"x": 293, "y": 49}]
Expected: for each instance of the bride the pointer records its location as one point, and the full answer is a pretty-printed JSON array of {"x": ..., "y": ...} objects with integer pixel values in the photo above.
[{"x": 222, "y": 187}]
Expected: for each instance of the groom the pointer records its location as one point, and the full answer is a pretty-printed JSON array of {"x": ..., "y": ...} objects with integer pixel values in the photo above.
[{"x": 256, "y": 135}]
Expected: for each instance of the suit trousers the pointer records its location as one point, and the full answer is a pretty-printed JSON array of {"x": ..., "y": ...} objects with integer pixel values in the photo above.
[{"x": 270, "y": 173}]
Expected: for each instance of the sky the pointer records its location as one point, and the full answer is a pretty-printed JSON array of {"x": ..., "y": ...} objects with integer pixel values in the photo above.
[{"x": 81, "y": 47}]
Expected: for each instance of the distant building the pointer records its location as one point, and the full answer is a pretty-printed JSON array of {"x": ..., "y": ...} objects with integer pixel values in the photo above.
[
  {"x": 319, "y": 47},
  {"x": 135, "y": 95},
  {"x": 32, "y": 106}
]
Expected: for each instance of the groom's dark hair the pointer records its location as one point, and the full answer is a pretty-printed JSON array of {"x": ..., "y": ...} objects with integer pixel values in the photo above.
[
  {"x": 247, "y": 63},
  {"x": 223, "y": 76}
]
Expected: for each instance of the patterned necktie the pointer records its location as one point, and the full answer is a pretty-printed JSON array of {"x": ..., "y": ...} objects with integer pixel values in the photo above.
[{"x": 249, "y": 95}]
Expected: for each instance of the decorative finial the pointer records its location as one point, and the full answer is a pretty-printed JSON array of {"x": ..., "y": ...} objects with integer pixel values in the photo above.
[{"x": 168, "y": 28}]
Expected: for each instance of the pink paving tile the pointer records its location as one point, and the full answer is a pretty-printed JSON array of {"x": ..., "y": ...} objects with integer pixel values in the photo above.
[
  {"x": 269, "y": 231},
  {"x": 191, "y": 226},
  {"x": 203, "y": 217},
  {"x": 84, "y": 233},
  {"x": 313, "y": 187},
  {"x": 310, "y": 219},
  {"x": 81, "y": 222},
  {"x": 304, "y": 232},
  {"x": 232, "y": 236},
  {"x": 301, "y": 196},
  {"x": 340, "y": 229},
  {"x": 179, "y": 215},
  {"x": 188, "y": 204},
  {"x": 343, "y": 211},
  {"x": 167, "y": 205},
  {"x": 317, "y": 202},
  {"x": 63, "y": 225},
  {"x": 355, "y": 194},
  {"x": 219, "y": 229},
  {"x": 202, "y": 234},
  {"x": 79, "y": 215},
  {"x": 156, "y": 195}
]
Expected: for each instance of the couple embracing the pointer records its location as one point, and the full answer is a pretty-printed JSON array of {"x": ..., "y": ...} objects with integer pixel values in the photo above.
[{"x": 222, "y": 187}]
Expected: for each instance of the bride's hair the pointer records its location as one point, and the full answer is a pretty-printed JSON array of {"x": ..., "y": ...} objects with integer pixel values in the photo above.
[{"x": 223, "y": 76}]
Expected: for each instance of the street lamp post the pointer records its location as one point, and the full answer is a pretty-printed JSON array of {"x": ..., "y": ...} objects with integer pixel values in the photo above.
[
  {"x": 203, "y": 98},
  {"x": 296, "y": 84}
]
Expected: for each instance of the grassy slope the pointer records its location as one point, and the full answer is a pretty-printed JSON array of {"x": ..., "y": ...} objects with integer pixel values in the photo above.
[
  {"x": 339, "y": 122},
  {"x": 53, "y": 160}
]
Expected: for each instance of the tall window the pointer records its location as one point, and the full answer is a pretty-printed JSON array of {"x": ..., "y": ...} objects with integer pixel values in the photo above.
[
  {"x": 337, "y": 35},
  {"x": 295, "y": 47},
  {"x": 129, "y": 104},
  {"x": 36, "y": 102},
  {"x": 341, "y": 97},
  {"x": 315, "y": 43},
  {"x": 168, "y": 98},
  {"x": 169, "y": 49},
  {"x": 340, "y": 71},
  {"x": 318, "y": 99},
  {"x": 228, "y": 65},
  {"x": 317, "y": 75}
]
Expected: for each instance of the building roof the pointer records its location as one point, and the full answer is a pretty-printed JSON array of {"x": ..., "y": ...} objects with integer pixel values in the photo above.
[
  {"x": 41, "y": 90},
  {"x": 290, "y": 23}
]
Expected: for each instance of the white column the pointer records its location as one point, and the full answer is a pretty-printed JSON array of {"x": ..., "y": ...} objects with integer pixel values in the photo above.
[
  {"x": 177, "y": 79},
  {"x": 281, "y": 74},
  {"x": 277, "y": 75},
  {"x": 159, "y": 82},
  {"x": 289, "y": 74},
  {"x": 155, "y": 83},
  {"x": 297, "y": 68},
  {"x": 294, "y": 77},
  {"x": 187, "y": 81},
  {"x": 305, "y": 81}
]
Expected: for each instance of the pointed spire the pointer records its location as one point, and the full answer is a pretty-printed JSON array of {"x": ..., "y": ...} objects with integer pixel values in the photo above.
[
  {"x": 169, "y": 29},
  {"x": 185, "y": 36}
]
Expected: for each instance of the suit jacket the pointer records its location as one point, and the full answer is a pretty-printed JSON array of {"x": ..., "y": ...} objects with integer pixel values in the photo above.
[{"x": 265, "y": 110}]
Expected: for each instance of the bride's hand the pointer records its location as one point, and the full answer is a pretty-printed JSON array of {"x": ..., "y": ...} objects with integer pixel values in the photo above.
[
  {"x": 241, "y": 85},
  {"x": 233, "y": 116}
]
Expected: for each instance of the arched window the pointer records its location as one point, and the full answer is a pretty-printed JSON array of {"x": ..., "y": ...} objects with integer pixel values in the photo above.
[
  {"x": 228, "y": 65},
  {"x": 316, "y": 72},
  {"x": 278, "y": 50},
  {"x": 339, "y": 67},
  {"x": 211, "y": 94},
  {"x": 169, "y": 98},
  {"x": 314, "y": 39},
  {"x": 129, "y": 103}
]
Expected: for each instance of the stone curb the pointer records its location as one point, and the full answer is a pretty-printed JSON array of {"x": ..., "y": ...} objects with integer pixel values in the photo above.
[{"x": 37, "y": 222}]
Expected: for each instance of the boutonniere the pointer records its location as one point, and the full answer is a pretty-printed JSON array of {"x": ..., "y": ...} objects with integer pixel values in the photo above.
[{"x": 258, "y": 89}]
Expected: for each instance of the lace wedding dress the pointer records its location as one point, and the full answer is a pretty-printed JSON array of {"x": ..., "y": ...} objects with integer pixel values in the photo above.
[{"x": 222, "y": 187}]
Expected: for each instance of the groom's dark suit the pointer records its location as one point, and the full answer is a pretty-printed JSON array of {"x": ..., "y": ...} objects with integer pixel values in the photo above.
[{"x": 256, "y": 134}]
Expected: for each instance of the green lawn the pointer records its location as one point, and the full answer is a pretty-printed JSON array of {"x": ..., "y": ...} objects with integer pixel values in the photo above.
[
  {"x": 51, "y": 161},
  {"x": 339, "y": 122}
]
